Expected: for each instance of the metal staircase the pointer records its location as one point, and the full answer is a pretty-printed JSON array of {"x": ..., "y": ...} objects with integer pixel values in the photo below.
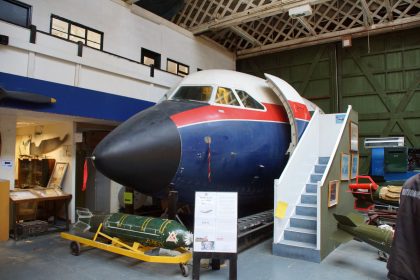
[{"x": 300, "y": 236}]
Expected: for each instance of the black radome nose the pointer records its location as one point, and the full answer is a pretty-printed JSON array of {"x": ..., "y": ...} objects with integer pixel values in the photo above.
[{"x": 143, "y": 152}]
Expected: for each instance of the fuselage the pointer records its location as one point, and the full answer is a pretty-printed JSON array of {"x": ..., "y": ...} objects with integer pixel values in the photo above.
[{"x": 217, "y": 131}]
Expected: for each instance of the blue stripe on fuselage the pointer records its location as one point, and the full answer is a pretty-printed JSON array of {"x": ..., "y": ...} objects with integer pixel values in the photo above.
[{"x": 301, "y": 126}]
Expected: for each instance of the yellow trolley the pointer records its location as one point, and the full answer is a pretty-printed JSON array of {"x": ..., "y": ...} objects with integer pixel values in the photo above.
[{"x": 135, "y": 250}]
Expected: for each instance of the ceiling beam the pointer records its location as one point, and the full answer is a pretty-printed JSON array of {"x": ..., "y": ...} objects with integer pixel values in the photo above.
[
  {"x": 307, "y": 25},
  {"x": 398, "y": 24},
  {"x": 388, "y": 10},
  {"x": 130, "y": 2},
  {"x": 263, "y": 11},
  {"x": 239, "y": 31},
  {"x": 366, "y": 13}
]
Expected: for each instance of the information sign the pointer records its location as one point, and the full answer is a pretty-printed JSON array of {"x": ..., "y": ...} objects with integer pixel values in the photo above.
[{"x": 216, "y": 222}]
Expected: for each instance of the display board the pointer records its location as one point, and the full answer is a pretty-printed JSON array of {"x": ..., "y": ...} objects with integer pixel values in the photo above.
[{"x": 216, "y": 222}]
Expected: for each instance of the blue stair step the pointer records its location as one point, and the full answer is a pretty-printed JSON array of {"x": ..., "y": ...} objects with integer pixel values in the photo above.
[
  {"x": 320, "y": 169},
  {"x": 300, "y": 235},
  {"x": 311, "y": 188},
  {"x": 323, "y": 160},
  {"x": 308, "y": 198},
  {"x": 297, "y": 250},
  {"x": 299, "y": 221},
  {"x": 298, "y": 244},
  {"x": 315, "y": 178},
  {"x": 306, "y": 209}
]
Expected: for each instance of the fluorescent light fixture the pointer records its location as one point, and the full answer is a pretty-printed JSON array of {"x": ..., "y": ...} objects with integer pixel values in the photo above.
[{"x": 300, "y": 11}]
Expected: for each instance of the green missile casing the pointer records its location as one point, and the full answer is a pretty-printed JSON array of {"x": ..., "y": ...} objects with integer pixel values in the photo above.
[
  {"x": 354, "y": 228},
  {"x": 148, "y": 231}
]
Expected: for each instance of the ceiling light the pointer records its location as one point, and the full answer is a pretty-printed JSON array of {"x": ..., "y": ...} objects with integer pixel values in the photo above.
[{"x": 300, "y": 11}]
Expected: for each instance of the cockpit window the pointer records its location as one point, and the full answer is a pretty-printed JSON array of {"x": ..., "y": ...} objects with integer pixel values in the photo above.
[
  {"x": 248, "y": 101},
  {"x": 226, "y": 96},
  {"x": 195, "y": 93}
]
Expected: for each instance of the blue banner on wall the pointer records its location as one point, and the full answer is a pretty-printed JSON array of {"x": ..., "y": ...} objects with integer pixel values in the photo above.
[{"x": 71, "y": 101}]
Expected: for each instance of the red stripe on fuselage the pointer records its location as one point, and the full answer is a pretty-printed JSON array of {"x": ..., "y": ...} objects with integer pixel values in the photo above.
[
  {"x": 300, "y": 111},
  {"x": 274, "y": 113}
]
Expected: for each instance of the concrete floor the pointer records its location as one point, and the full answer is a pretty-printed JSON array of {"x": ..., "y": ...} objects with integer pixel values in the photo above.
[{"x": 48, "y": 257}]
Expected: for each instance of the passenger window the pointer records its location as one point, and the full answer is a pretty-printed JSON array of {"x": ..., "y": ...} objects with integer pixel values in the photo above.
[
  {"x": 226, "y": 96},
  {"x": 248, "y": 101}
]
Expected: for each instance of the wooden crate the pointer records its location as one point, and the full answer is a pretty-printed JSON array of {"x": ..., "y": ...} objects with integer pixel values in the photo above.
[{"x": 25, "y": 229}]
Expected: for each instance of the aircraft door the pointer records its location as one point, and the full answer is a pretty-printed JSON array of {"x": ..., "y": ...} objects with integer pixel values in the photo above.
[{"x": 295, "y": 106}]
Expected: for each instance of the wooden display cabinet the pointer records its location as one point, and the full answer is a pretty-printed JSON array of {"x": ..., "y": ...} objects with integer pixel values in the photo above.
[{"x": 34, "y": 172}]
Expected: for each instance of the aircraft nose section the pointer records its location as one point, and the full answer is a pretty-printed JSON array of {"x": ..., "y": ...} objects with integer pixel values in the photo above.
[{"x": 143, "y": 152}]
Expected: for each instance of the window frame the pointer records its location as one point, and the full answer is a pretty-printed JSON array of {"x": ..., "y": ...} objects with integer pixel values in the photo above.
[
  {"x": 249, "y": 108},
  {"x": 144, "y": 53},
  {"x": 86, "y": 28},
  {"x": 178, "y": 72},
  {"x": 28, "y": 14},
  {"x": 210, "y": 101},
  {"x": 239, "y": 106}
]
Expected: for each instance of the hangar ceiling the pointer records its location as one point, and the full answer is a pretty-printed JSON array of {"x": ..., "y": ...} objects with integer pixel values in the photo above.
[{"x": 255, "y": 27}]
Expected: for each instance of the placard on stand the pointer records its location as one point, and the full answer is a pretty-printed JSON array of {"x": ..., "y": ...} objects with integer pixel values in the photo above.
[{"x": 215, "y": 230}]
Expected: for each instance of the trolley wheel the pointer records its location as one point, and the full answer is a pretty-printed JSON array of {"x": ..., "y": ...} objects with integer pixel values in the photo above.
[
  {"x": 184, "y": 269},
  {"x": 75, "y": 248}
]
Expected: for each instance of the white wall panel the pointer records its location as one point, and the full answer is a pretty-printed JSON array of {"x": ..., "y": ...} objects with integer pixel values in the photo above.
[
  {"x": 117, "y": 84},
  {"x": 56, "y": 60},
  {"x": 14, "y": 31},
  {"x": 196, "y": 55},
  {"x": 54, "y": 70},
  {"x": 7, "y": 152},
  {"x": 125, "y": 33},
  {"x": 13, "y": 61}
]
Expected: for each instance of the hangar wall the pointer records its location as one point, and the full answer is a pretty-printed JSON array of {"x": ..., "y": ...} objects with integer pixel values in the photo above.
[{"x": 379, "y": 76}]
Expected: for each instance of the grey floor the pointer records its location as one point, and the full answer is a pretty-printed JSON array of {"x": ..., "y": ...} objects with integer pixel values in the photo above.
[{"x": 48, "y": 257}]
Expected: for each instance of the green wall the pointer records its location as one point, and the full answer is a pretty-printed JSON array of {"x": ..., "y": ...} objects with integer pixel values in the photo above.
[{"x": 379, "y": 76}]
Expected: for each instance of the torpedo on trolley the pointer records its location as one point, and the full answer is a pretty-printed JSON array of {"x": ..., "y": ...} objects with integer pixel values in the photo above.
[{"x": 218, "y": 130}]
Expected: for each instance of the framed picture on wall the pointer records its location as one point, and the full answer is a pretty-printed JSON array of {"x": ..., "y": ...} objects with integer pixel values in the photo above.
[
  {"x": 354, "y": 137},
  {"x": 345, "y": 166},
  {"x": 57, "y": 175},
  {"x": 354, "y": 165},
  {"x": 333, "y": 190}
]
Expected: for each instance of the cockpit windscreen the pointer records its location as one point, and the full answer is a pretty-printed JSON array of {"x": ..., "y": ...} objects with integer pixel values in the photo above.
[{"x": 193, "y": 93}]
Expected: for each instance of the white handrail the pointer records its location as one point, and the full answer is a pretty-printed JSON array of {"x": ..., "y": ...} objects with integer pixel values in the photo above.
[
  {"x": 288, "y": 188},
  {"x": 320, "y": 139}
]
